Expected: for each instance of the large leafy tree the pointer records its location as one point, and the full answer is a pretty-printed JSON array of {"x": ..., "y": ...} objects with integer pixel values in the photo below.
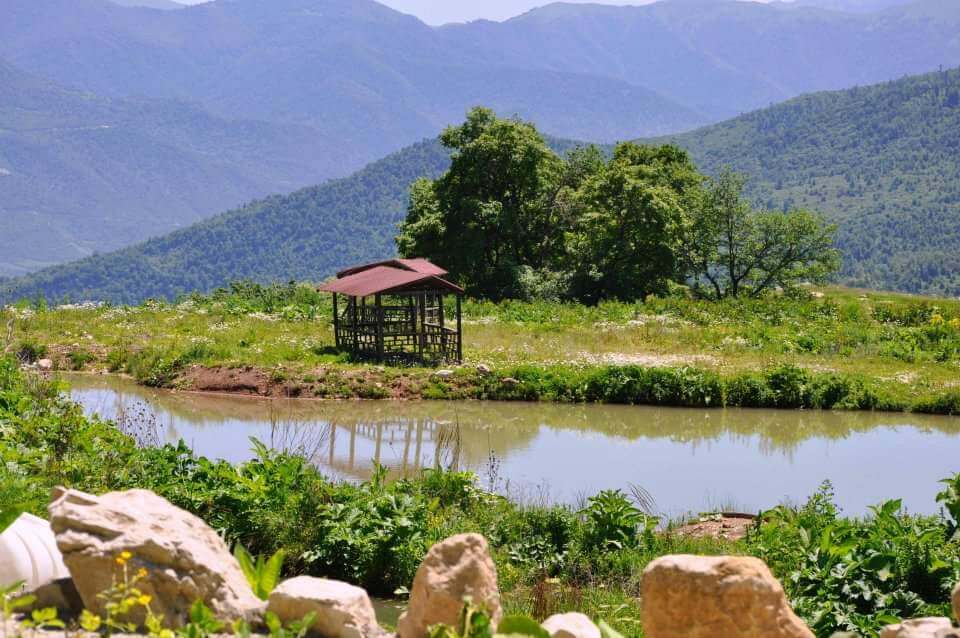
[
  {"x": 729, "y": 249},
  {"x": 491, "y": 213},
  {"x": 624, "y": 239}
]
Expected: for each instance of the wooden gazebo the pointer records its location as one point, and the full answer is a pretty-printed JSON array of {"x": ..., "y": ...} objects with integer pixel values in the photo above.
[{"x": 394, "y": 312}]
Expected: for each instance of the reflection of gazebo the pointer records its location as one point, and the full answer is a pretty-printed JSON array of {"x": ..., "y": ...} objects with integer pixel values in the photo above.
[{"x": 404, "y": 320}]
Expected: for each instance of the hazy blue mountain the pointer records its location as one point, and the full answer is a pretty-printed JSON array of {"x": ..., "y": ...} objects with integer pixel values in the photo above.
[
  {"x": 166, "y": 5},
  {"x": 351, "y": 68},
  {"x": 855, "y": 6},
  {"x": 80, "y": 173},
  {"x": 724, "y": 57}
]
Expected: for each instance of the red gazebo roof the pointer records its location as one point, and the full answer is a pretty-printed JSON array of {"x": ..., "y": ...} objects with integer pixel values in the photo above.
[
  {"x": 374, "y": 279},
  {"x": 418, "y": 265}
]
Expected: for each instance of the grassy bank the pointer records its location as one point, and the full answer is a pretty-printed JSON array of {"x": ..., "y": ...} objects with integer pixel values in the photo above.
[
  {"x": 841, "y": 574},
  {"x": 838, "y": 348}
]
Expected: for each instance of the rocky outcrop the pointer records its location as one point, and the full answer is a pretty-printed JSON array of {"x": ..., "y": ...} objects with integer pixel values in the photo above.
[
  {"x": 342, "y": 610},
  {"x": 706, "y": 596},
  {"x": 572, "y": 625},
  {"x": 182, "y": 558},
  {"x": 452, "y": 570},
  {"x": 921, "y": 628}
]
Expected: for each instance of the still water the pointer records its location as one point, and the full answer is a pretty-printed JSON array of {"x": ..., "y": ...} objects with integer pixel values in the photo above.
[{"x": 689, "y": 460}]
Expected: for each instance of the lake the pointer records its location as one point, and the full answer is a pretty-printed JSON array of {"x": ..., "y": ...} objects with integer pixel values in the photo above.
[{"x": 689, "y": 460}]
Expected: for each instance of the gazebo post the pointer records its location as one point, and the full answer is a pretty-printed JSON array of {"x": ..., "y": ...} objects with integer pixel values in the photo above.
[
  {"x": 379, "y": 303},
  {"x": 459, "y": 330},
  {"x": 336, "y": 323},
  {"x": 423, "y": 324},
  {"x": 443, "y": 333}
]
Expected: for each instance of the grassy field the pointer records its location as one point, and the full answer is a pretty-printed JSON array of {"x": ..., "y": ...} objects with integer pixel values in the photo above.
[{"x": 836, "y": 347}]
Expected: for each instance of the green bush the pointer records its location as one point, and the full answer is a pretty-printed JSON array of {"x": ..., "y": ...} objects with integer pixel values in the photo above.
[{"x": 858, "y": 575}]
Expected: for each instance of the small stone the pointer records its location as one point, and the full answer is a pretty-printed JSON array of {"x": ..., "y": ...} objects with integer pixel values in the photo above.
[
  {"x": 510, "y": 381},
  {"x": 342, "y": 610},
  {"x": 453, "y": 569},
  {"x": 484, "y": 369},
  {"x": 443, "y": 374},
  {"x": 731, "y": 596},
  {"x": 572, "y": 625},
  {"x": 45, "y": 364},
  {"x": 920, "y": 628}
]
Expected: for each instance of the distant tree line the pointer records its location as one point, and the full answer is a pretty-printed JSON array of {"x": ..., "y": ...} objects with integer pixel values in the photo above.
[{"x": 512, "y": 218}]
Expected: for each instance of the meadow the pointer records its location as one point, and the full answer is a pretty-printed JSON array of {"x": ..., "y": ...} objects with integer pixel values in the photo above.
[{"x": 824, "y": 348}]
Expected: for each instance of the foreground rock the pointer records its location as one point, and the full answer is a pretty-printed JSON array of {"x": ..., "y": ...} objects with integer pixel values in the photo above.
[
  {"x": 956, "y": 601},
  {"x": 457, "y": 567},
  {"x": 705, "y": 597},
  {"x": 342, "y": 610},
  {"x": 921, "y": 628},
  {"x": 572, "y": 625},
  {"x": 184, "y": 559}
]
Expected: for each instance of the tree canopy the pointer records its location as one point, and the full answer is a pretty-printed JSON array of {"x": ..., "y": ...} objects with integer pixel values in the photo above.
[{"x": 512, "y": 218}]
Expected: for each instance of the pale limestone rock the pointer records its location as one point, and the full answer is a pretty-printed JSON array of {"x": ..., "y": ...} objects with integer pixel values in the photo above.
[
  {"x": 185, "y": 560},
  {"x": 710, "y": 596},
  {"x": 45, "y": 364},
  {"x": 453, "y": 569},
  {"x": 484, "y": 370},
  {"x": 342, "y": 610},
  {"x": 443, "y": 374},
  {"x": 956, "y": 602},
  {"x": 572, "y": 625},
  {"x": 920, "y": 628}
]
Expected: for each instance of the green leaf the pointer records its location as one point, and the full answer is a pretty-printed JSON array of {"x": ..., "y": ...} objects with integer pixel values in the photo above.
[
  {"x": 269, "y": 578},
  {"x": 521, "y": 626},
  {"x": 607, "y": 631}
]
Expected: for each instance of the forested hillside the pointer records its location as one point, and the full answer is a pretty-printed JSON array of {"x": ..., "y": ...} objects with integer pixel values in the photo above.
[
  {"x": 306, "y": 235},
  {"x": 81, "y": 173},
  {"x": 882, "y": 161}
]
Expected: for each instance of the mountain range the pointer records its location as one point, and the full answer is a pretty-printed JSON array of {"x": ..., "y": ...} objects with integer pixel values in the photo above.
[
  {"x": 202, "y": 108},
  {"x": 883, "y": 162},
  {"x": 81, "y": 173}
]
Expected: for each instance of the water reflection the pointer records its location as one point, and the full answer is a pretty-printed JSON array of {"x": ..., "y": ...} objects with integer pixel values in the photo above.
[{"x": 689, "y": 459}]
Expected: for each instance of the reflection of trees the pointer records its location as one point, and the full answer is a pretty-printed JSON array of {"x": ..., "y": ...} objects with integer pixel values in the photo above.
[{"x": 505, "y": 427}]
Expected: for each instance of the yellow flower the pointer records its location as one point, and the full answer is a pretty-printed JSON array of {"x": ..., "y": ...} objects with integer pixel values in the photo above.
[
  {"x": 121, "y": 560},
  {"x": 955, "y": 323},
  {"x": 142, "y": 572},
  {"x": 936, "y": 320},
  {"x": 144, "y": 599},
  {"x": 126, "y": 555}
]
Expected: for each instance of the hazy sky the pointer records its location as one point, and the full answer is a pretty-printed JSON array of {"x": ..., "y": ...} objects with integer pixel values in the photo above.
[{"x": 443, "y": 11}]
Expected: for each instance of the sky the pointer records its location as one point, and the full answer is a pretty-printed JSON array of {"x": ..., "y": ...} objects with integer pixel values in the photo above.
[{"x": 443, "y": 11}]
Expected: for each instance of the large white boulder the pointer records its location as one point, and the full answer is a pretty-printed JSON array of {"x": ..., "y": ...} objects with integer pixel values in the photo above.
[
  {"x": 184, "y": 559},
  {"x": 571, "y": 625},
  {"x": 920, "y": 628},
  {"x": 707, "y": 596},
  {"x": 458, "y": 567}
]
